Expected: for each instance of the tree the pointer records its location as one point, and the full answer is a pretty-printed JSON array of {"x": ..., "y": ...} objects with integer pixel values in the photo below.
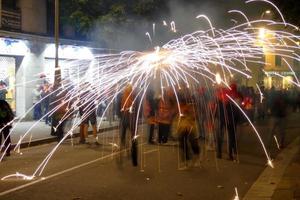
[{"x": 84, "y": 15}]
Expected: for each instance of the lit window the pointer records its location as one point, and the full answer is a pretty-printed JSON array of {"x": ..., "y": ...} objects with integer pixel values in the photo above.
[{"x": 278, "y": 61}]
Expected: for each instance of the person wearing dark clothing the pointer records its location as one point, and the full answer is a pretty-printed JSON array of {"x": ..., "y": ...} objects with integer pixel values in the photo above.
[
  {"x": 227, "y": 115},
  {"x": 3, "y": 90},
  {"x": 165, "y": 114},
  {"x": 149, "y": 112},
  {"x": 58, "y": 108},
  {"x": 46, "y": 91},
  {"x": 58, "y": 121},
  {"x": 6, "y": 119},
  {"x": 127, "y": 114},
  {"x": 278, "y": 111}
]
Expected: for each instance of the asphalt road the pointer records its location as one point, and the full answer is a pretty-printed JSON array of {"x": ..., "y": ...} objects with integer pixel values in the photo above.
[{"x": 82, "y": 172}]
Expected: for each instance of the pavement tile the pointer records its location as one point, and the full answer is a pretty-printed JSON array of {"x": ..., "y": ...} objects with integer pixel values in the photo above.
[{"x": 282, "y": 194}]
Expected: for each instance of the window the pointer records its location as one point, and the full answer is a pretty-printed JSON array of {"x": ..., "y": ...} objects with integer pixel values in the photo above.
[
  {"x": 278, "y": 61},
  {"x": 296, "y": 63},
  {"x": 9, "y": 4}
]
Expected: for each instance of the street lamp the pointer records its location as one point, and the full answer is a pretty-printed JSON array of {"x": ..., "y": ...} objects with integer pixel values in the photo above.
[
  {"x": 57, "y": 73},
  {"x": 0, "y": 13},
  {"x": 266, "y": 12}
]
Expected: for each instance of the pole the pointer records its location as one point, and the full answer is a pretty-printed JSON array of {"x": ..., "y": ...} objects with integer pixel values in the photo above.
[
  {"x": 0, "y": 13},
  {"x": 56, "y": 38}
]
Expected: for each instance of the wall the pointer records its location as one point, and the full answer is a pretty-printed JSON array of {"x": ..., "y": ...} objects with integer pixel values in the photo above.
[{"x": 34, "y": 17}]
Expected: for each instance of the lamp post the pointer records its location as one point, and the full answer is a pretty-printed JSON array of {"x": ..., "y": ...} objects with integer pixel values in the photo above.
[
  {"x": 0, "y": 13},
  {"x": 56, "y": 38},
  {"x": 266, "y": 12}
]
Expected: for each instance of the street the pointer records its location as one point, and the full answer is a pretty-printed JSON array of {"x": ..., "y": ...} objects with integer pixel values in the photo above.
[{"x": 98, "y": 172}]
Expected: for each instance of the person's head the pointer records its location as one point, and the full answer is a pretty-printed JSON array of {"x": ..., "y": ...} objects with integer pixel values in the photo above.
[{"x": 2, "y": 83}]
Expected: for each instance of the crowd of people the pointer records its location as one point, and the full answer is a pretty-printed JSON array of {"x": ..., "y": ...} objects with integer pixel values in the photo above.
[{"x": 183, "y": 114}]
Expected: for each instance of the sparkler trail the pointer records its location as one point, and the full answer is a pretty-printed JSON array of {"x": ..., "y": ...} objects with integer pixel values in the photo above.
[{"x": 214, "y": 56}]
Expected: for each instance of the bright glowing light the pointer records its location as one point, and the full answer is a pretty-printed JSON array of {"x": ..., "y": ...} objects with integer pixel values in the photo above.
[
  {"x": 218, "y": 79},
  {"x": 69, "y": 52},
  {"x": 185, "y": 62},
  {"x": 236, "y": 197},
  {"x": 262, "y": 33},
  {"x": 275, "y": 138},
  {"x": 13, "y": 47},
  {"x": 18, "y": 176},
  {"x": 268, "y": 11}
]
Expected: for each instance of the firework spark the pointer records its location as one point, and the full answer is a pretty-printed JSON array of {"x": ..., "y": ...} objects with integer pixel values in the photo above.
[{"x": 213, "y": 55}]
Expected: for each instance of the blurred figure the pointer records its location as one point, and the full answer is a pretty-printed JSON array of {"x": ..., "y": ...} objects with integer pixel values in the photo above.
[
  {"x": 261, "y": 104},
  {"x": 186, "y": 130},
  {"x": 249, "y": 102},
  {"x": 202, "y": 112},
  {"x": 149, "y": 112},
  {"x": 58, "y": 107},
  {"x": 165, "y": 113},
  {"x": 37, "y": 110},
  {"x": 6, "y": 119},
  {"x": 278, "y": 111},
  {"x": 3, "y": 90},
  {"x": 227, "y": 115},
  {"x": 45, "y": 95},
  {"x": 58, "y": 117},
  {"x": 87, "y": 111},
  {"x": 127, "y": 114}
]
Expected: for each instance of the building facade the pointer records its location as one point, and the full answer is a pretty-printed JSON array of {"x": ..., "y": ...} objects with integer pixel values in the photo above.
[{"x": 27, "y": 52}]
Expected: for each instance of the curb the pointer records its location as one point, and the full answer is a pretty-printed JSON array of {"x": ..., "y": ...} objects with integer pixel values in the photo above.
[
  {"x": 267, "y": 182},
  {"x": 54, "y": 139}
]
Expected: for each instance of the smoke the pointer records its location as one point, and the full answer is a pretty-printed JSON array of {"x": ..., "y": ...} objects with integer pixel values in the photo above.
[{"x": 132, "y": 35}]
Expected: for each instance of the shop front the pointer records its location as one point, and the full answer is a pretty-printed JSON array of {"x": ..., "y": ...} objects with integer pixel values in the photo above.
[
  {"x": 279, "y": 79},
  {"x": 11, "y": 52},
  {"x": 26, "y": 65}
]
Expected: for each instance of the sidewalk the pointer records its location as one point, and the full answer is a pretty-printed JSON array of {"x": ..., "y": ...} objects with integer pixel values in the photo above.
[
  {"x": 282, "y": 181},
  {"x": 289, "y": 185},
  {"x": 39, "y": 132}
]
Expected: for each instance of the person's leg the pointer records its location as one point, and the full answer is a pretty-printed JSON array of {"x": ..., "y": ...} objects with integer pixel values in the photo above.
[
  {"x": 281, "y": 132},
  {"x": 81, "y": 133},
  {"x": 134, "y": 140},
  {"x": 93, "y": 120},
  {"x": 123, "y": 127},
  {"x": 183, "y": 146},
  {"x": 151, "y": 133},
  {"x": 54, "y": 124},
  {"x": 219, "y": 138},
  {"x": 46, "y": 113},
  {"x": 195, "y": 148},
  {"x": 272, "y": 132},
  {"x": 165, "y": 132},
  {"x": 160, "y": 132},
  {"x": 194, "y": 144},
  {"x": 7, "y": 140},
  {"x": 231, "y": 141},
  {"x": 60, "y": 131}
]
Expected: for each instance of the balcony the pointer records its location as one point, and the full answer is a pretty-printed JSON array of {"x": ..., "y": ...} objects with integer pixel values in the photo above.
[{"x": 11, "y": 19}]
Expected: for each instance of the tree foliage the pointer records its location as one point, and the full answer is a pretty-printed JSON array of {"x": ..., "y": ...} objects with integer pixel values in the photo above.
[{"x": 83, "y": 15}]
